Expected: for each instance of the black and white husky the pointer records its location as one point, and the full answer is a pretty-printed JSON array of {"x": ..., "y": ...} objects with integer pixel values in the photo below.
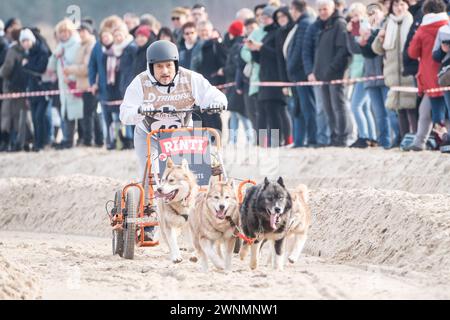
[{"x": 265, "y": 215}]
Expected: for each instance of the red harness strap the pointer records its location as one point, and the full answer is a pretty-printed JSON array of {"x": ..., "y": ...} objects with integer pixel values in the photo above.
[{"x": 238, "y": 234}]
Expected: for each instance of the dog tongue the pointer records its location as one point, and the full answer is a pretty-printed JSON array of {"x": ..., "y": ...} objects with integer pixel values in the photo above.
[
  {"x": 220, "y": 214},
  {"x": 273, "y": 221}
]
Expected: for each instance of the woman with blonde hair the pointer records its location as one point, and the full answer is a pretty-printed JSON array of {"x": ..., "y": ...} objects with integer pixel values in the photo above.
[
  {"x": 360, "y": 101},
  {"x": 64, "y": 56},
  {"x": 390, "y": 43},
  {"x": 119, "y": 74},
  {"x": 98, "y": 75}
]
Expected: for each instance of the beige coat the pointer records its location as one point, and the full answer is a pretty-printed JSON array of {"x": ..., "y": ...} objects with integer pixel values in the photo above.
[
  {"x": 393, "y": 69},
  {"x": 80, "y": 68}
]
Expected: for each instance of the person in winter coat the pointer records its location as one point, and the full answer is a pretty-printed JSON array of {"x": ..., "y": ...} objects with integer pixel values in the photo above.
[
  {"x": 441, "y": 54},
  {"x": 190, "y": 48},
  {"x": 37, "y": 55},
  {"x": 80, "y": 70},
  {"x": 304, "y": 119},
  {"x": 3, "y": 50},
  {"x": 64, "y": 56},
  {"x": 143, "y": 41},
  {"x": 284, "y": 21},
  {"x": 98, "y": 76},
  {"x": 119, "y": 59},
  {"x": 421, "y": 48},
  {"x": 331, "y": 61},
  {"x": 252, "y": 68},
  {"x": 389, "y": 43},
  {"x": 238, "y": 112},
  {"x": 179, "y": 18},
  {"x": 243, "y": 76},
  {"x": 271, "y": 100},
  {"x": 360, "y": 101},
  {"x": 386, "y": 120},
  {"x": 14, "y": 80},
  {"x": 411, "y": 66},
  {"x": 309, "y": 49},
  {"x": 211, "y": 63}
]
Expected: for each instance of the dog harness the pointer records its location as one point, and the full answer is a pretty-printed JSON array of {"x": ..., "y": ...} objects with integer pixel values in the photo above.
[{"x": 238, "y": 233}]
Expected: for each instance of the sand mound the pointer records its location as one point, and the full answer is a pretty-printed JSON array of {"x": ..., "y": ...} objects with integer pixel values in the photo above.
[
  {"x": 365, "y": 232},
  {"x": 66, "y": 205},
  {"x": 16, "y": 283},
  {"x": 360, "y": 226},
  {"x": 423, "y": 172},
  {"x": 382, "y": 227}
]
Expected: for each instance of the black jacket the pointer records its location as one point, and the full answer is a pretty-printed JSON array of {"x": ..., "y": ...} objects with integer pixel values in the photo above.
[
  {"x": 267, "y": 59},
  {"x": 294, "y": 61},
  {"x": 232, "y": 66},
  {"x": 140, "y": 59},
  {"x": 214, "y": 56},
  {"x": 125, "y": 71},
  {"x": 332, "y": 56},
  {"x": 411, "y": 66},
  {"x": 3, "y": 50},
  {"x": 281, "y": 36},
  {"x": 37, "y": 64}
]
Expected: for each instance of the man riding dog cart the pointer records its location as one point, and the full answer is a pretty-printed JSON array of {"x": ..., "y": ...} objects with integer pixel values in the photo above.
[{"x": 153, "y": 98}]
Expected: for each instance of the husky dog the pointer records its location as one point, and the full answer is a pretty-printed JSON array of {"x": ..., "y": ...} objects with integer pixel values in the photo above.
[
  {"x": 300, "y": 222},
  {"x": 176, "y": 199},
  {"x": 213, "y": 223},
  {"x": 265, "y": 215}
]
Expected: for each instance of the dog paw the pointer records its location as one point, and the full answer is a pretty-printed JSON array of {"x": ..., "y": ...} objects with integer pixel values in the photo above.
[
  {"x": 193, "y": 259},
  {"x": 292, "y": 260},
  {"x": 177, "y": 260}
]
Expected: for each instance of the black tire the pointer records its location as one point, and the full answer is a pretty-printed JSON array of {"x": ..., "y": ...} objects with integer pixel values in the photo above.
[
  {"x": 117, "y": 235},
  {"x": 129, "y": 231}
]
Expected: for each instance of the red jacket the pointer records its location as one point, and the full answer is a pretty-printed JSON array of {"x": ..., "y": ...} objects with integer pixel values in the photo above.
[{"x": 421, "y": 48}]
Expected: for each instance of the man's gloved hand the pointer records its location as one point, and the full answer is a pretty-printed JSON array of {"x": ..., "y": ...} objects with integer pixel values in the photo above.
[
  {"x": 213, "y": 108},
  {"x": 145, "y": 108}
]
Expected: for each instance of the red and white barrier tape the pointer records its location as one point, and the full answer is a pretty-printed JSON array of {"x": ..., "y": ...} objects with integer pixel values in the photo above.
[
  {"x": 21, "y": 95},
  {"x": 33, "y": 94}
]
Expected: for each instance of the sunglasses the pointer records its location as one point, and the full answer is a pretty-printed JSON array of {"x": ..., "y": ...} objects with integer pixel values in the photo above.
[{"x": 175, "y": 18}]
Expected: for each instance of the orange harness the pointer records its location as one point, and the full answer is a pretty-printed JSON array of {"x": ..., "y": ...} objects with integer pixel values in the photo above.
[{"x": 239, "y": 234}]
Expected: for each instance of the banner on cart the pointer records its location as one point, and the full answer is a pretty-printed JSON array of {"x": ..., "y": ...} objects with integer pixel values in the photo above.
[{"x": 193, "y": 146}]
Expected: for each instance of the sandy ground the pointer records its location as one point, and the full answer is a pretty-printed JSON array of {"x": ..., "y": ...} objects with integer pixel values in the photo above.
[{"x": 381, "y": 229}]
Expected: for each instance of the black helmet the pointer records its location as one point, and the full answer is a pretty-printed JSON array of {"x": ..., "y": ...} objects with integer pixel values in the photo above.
[{"x": 160, "y": 51}]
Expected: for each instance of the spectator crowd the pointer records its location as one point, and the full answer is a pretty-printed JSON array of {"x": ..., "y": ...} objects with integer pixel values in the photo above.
[{"x": 398, "y": 45}]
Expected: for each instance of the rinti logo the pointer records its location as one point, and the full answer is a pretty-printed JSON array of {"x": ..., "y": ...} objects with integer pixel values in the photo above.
[{"x": 184, "y": 145}]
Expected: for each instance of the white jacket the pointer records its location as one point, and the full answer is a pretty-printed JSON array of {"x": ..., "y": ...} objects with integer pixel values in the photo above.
[{"x": 203, "y": 92}]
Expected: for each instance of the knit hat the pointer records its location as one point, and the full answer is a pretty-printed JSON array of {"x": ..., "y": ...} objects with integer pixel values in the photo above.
[
  {"x": 2, "y": 28},
  {"x": 143, "y": 31},
  {"x": 268, "y": 11},
  {"x": 26, "y": 34},
  {"x": 236, "y": 28}
]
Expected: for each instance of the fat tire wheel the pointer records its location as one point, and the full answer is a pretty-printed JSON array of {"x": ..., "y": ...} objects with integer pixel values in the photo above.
[
  {"x": 117, "y": 235},
  {"x": 129, "y": 231}
]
